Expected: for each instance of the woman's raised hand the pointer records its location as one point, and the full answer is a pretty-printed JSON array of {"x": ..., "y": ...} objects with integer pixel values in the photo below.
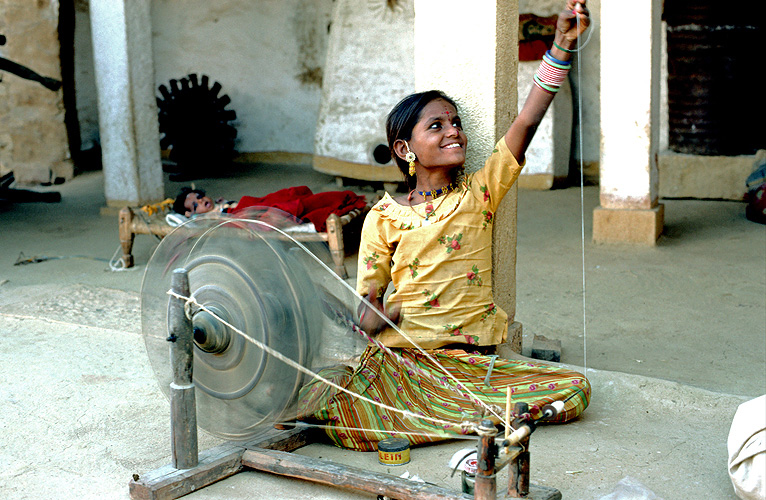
[{"x": 567, "y": 23}]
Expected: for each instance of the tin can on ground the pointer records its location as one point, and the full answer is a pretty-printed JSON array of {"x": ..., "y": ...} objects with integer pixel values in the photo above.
[
  {"x": 468, "y": 475},
  {"x": 394, "y": 451}
]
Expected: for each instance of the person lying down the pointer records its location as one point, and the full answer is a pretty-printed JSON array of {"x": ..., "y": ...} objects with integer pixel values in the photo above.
[{"x": 298, "y": 201}]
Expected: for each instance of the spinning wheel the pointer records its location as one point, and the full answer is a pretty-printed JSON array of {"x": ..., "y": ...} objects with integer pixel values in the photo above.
[
  {"x": 258, "y": 281},
  {"x": 224, "y": 299}
]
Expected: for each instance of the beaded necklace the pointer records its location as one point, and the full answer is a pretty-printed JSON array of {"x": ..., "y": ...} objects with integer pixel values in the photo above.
[
  {"x": 430, "y": 209},
  {"x": 436, "y": 192}
]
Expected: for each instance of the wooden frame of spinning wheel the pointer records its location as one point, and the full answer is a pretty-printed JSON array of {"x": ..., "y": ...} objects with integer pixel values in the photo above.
[{"x": 191, "y": 470}]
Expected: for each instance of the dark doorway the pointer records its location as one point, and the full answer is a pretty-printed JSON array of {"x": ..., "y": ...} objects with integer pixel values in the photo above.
[
  {"x": 66, "y": 40},
  {"x": 715, "y": 104}
]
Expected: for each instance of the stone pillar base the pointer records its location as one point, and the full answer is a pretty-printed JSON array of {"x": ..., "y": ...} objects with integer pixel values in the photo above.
[
  {"x": 628, "y": 226},
  {"x": 707, "y": 177},
  {"x": 512, "y": 345}
]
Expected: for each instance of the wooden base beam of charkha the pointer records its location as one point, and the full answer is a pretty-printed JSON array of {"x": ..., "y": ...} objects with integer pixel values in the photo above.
[{"x": 191, "y": 470}]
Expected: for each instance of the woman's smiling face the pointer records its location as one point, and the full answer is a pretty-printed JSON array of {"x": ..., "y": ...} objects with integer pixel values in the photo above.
[{"x": 438, "y": 139}]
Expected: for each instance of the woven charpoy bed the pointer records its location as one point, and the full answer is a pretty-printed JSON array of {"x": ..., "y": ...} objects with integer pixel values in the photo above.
[{"x": 135, "y": 220}]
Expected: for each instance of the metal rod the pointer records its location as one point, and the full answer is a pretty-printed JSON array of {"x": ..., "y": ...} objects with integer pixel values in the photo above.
[
  {"x": 486, "y": 486},
  {"x": 518, "y": 480},
  {"x": 183, "y": 408}
]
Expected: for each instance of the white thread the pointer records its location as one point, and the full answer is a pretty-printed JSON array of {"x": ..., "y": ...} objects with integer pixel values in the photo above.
[
  {"x": 301, "y": 368},
  {"x": 459, "y": 385},
  {"x": 117, "y": 264},
  {"x": 443, "y": 434},
  {"x": 582, "y": 200},
  {"x": 579, "y": 46}
]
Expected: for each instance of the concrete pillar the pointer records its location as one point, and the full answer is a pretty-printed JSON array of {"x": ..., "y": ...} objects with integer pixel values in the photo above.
[
  {"x": 630, "y": 124},
  {"x": 127, "y": 109},
  {"x": 475, "y": 62}
]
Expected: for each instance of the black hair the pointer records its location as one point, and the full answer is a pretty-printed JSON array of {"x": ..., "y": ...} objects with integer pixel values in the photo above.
[
  {"x": 179, "y": 204},
  {"x": 402, "y": 119}
]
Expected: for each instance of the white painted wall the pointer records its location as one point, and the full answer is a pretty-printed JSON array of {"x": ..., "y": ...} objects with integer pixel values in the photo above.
[
  {"x": 370, "y": 68},
  {"x": 259, "y": 51},
  {"x": 263, "y": 52},
  {"x": 460, "y": 64}
]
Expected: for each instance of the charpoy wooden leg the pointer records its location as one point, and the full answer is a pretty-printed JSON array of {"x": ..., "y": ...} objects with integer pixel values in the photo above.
[
  {"x": 126, "y": 235},
  {"x": 335, "y": 242}
]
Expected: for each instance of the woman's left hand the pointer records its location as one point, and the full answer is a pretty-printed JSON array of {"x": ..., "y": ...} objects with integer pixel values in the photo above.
[
  {"x": 568, "y": 25},
  {"x": 371, "y": 319}
]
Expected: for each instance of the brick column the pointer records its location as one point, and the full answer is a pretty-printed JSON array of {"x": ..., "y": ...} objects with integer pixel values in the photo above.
[
  {"x": 630, "y": 123},
  {"x": 127, "y": 109}
]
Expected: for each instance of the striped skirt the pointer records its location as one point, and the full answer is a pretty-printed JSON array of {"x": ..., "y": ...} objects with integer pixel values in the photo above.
[{"x": 358, "y": 425}]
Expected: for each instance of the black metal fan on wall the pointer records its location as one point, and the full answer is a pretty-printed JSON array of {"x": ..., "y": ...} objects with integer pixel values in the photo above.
[{"x": 195, "y": 127}]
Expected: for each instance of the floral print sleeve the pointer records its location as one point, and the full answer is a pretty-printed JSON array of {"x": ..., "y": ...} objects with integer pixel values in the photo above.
[
  {"x": 495, "y": 179},
  {"x": 374, "y": 263},
  {"x": 439, "y": 269}
]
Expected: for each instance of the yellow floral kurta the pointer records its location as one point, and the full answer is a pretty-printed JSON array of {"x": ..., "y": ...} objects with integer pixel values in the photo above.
[
  {"x": 440, "y": 263},
  {"x": 441, "y": 271}
]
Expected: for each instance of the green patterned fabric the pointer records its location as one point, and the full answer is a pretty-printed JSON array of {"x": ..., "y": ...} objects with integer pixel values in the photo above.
[{"x": 359, "y": 425}]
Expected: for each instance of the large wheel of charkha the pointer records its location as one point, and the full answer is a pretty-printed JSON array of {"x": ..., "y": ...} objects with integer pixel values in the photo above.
[{"x": 251, "y": 277}]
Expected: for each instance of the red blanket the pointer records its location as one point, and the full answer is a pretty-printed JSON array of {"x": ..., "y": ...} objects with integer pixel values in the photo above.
[{"x": 303, "y": 204}]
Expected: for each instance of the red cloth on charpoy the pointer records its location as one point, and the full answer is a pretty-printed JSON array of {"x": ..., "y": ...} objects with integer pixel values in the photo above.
[{"x": 301, "y": 202}]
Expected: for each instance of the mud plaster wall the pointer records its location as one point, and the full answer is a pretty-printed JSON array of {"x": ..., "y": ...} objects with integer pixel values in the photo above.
[
  {"x": 33, "y": 138},
  {"x": 370, "y": 67},
  {"x": 267, "y": 54}
]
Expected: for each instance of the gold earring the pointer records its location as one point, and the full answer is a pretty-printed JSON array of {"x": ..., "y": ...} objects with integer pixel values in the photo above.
[{"x": 410, "y": 158}]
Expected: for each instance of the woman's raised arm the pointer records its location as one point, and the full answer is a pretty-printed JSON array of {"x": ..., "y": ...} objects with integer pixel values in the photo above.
[{"x": 553, "y": 70}]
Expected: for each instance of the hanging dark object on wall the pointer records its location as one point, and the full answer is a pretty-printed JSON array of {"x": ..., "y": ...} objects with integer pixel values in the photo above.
[
  {"x": 195, "y": 127},
  {"x": 26, "y": 73}
]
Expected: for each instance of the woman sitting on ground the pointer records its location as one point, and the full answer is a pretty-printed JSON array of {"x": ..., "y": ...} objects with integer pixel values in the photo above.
[{"x": 434, "y": 246}]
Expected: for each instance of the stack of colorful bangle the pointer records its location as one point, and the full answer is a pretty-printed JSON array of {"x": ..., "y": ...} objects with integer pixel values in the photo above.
[{"x": 551, "y": 73}]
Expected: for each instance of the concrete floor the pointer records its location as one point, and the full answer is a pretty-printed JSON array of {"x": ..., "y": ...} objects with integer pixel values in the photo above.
[{"x": 675, "y": 339}]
